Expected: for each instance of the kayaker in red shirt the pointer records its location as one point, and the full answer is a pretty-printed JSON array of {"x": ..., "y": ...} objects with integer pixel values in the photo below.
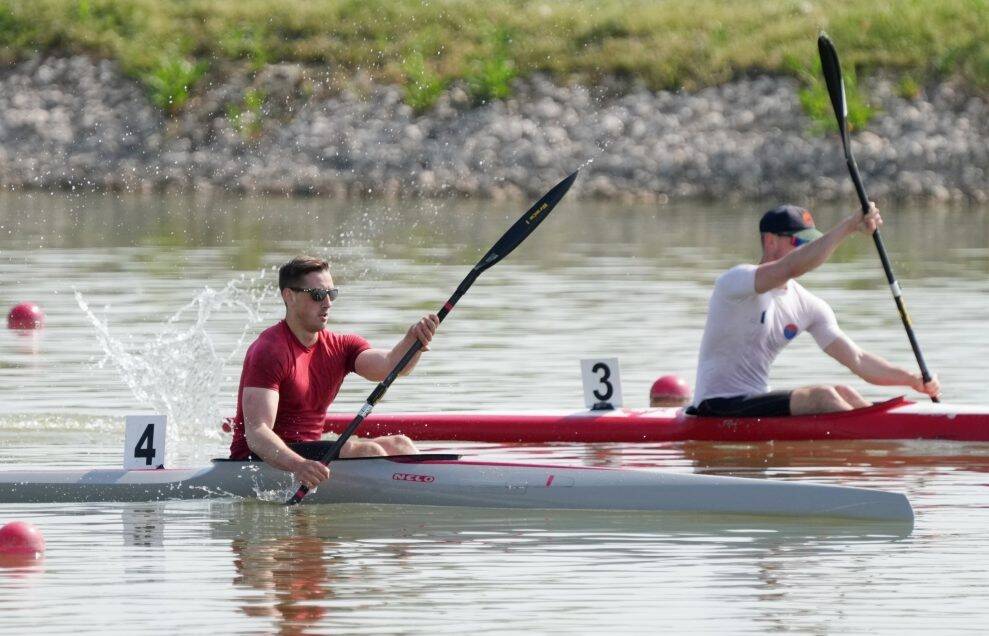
[{"x": 294, "y": 369}]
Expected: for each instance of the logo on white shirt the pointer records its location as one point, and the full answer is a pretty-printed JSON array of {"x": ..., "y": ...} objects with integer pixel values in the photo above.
[{"x": 790, "y": 331}]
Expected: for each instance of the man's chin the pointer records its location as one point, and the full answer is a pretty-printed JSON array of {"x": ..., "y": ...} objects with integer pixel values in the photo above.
[{"x": 316, "y": 325}]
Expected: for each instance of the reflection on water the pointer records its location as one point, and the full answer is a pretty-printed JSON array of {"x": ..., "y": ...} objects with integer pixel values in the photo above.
[
  {"x": 318, "y": 568},
  {"x": 269, "y": 568},
  {"x": 923, "y": 242},
  {"x": 596, "y": 279},
  {"x": 297, "y": 569}
]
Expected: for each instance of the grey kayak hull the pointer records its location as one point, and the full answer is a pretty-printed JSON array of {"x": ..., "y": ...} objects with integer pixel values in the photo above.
[{"x": 452, "y": 482}]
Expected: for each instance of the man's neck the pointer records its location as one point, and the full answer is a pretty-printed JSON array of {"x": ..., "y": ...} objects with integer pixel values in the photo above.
[{"x": 306, "y": 337}]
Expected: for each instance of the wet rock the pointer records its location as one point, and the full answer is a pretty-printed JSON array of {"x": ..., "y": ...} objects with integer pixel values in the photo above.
[{"x": 69, "y": 120}]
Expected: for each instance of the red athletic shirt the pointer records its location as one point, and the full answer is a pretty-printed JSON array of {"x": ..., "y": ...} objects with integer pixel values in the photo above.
[{"x": 306, "y": 378}]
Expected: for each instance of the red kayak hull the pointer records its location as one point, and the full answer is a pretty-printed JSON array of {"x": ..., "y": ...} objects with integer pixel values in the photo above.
[{"x": 898, "y": 418}]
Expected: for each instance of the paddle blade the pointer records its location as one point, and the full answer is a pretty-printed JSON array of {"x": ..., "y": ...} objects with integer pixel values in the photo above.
[
  {"x": 525, "y": 225},
  {"x": 832, "y": 77}
]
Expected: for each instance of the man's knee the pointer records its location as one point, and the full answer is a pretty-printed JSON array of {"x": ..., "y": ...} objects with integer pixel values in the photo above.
[
  {"x": 849, "y": 394},
  {"x": 362, "y": 448},
  {"x": 397, "y": 445},
  {"x": 843, "y": 390},
  {"x": 818, "y": 399},
  {"x": 829, "y": 398}
]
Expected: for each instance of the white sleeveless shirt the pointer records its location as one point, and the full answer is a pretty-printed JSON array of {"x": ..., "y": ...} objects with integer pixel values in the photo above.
[{"x": 745, "y": 331}]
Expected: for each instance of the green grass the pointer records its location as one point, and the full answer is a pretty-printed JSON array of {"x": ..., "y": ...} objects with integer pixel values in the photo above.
[
  {"x": 491, "y": 70},
  {"x": 426, "y": 46},
  {"x": 422, "y": 85},
  {"x": 171, "y": 80},
  {"x": 816, "y": 100},
  {"x": 247, "y": 118}
]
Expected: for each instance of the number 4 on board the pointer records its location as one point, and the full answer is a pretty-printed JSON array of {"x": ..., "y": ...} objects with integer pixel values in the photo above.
[{"x": 144, "y": 442}]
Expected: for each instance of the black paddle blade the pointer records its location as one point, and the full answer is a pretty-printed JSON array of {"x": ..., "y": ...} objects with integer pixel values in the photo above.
[
  {"x": 525, "y": 225},
  {"x": 832, "y": 77},
  {"x": 511, "y": 239}
]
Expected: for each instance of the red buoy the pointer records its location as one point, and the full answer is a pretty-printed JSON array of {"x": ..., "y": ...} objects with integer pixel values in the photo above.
[
  {"x": 20, "y": 538},
  {"x": 26, "y": 316},
  {"x": 669, "y": 390}
]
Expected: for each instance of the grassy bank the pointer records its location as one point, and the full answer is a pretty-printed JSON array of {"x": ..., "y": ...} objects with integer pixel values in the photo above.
[{"x": 171, "y": 44}]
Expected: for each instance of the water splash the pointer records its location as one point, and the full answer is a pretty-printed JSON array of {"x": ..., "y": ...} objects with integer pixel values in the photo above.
[{"x": 179, "y": 371}]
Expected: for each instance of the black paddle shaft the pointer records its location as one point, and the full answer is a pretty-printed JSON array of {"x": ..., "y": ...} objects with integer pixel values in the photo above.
[
  {"x": 522, "y": 228},
  {"x": 836, "y": 90}
]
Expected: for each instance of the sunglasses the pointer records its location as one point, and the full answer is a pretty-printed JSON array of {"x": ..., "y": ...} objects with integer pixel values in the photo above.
[
  {"x": 318, "y": 294},
  {"x": 795, "y": 241}
]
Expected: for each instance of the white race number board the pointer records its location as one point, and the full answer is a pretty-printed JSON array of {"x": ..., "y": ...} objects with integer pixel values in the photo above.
[
  {"x": 144, "y": 442},
  {"x": 602, "y": 385}
]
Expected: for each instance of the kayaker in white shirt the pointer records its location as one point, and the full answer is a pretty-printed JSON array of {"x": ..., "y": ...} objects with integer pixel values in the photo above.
[{"x": 756, "y": 310}]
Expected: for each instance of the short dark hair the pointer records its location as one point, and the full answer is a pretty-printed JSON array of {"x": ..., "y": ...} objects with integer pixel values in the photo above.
[{"x": 291, "y": 273}]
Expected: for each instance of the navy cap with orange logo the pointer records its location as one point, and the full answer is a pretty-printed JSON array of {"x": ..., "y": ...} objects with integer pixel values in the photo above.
[{"x": 790, "y": 220}]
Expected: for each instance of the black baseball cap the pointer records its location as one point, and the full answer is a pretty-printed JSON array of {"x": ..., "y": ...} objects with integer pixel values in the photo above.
[{"x": 790, "y": 220}]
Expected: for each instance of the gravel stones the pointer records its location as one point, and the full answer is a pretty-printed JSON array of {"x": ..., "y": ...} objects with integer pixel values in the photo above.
[{"x": 79, "y": 123}]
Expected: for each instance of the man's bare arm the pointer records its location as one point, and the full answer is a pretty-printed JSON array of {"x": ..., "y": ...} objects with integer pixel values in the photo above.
[
  {"x": 260, "y": 408},
  {"x": 800, "y": 261},
  {"x": 376, "y": 364},
  {"x": 876, "y": 370}
]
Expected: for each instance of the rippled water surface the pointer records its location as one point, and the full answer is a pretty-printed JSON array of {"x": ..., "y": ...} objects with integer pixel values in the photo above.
[{"x": 175, "y": 288}]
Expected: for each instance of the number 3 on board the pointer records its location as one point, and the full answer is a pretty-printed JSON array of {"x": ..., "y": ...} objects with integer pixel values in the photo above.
[
  {"x": 144, "y": 442},
  {"x": 602, "y": 387}
]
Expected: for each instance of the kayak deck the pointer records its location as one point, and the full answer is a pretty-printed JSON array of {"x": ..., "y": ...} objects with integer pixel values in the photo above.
[
  {"x": 897, "y": 418},
  {"x": 424, "y": 480}
]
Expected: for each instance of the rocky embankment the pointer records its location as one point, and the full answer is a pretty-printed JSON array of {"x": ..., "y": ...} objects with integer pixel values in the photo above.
[{"x": 76, "y": 123}]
